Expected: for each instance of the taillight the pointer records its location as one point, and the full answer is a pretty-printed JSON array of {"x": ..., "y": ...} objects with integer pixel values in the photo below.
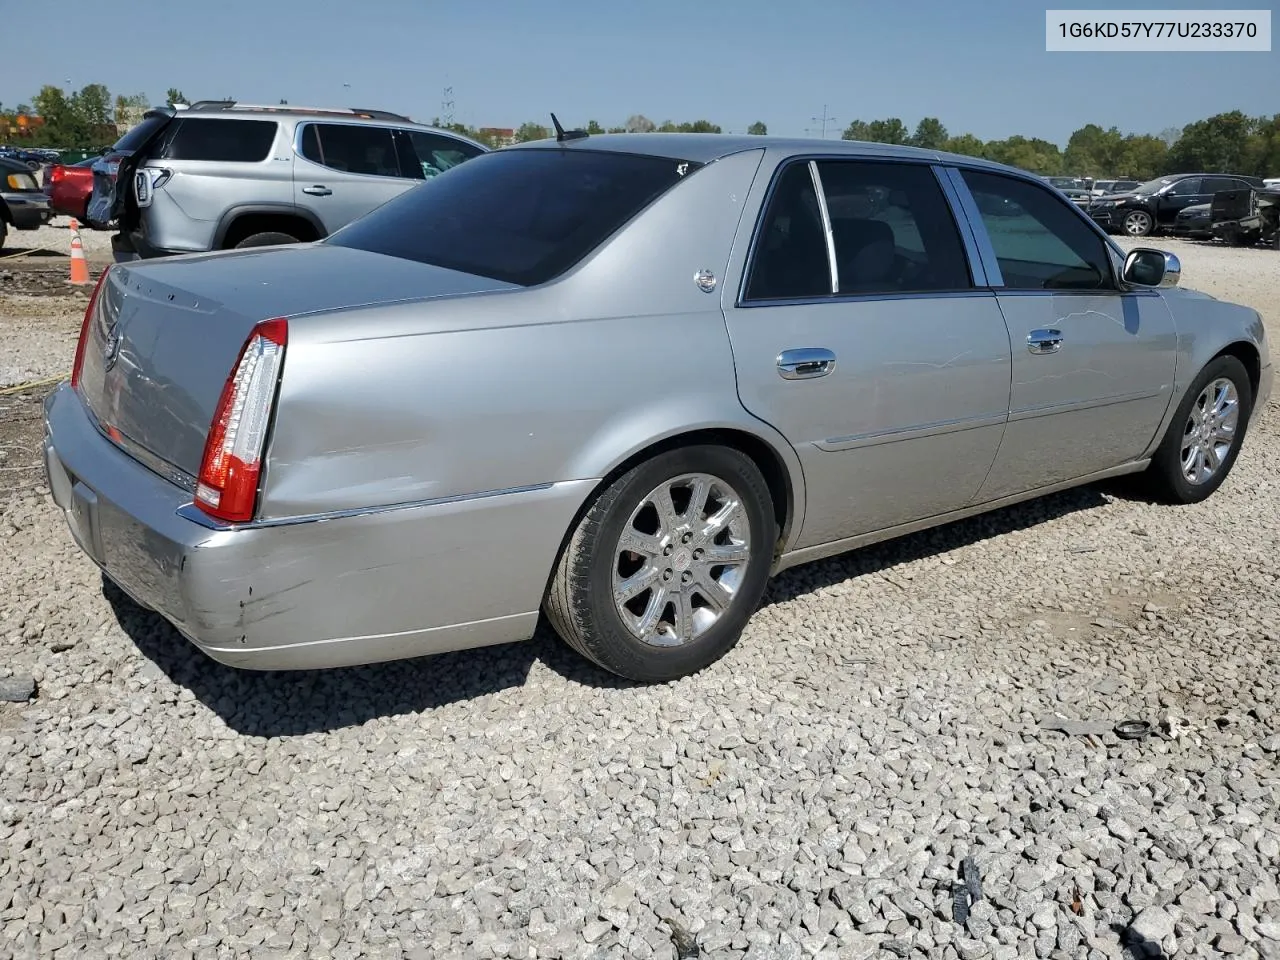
[
  {"x": 57, "y": 174},
  {"x": 232, "y": 464},
  {"x": 84, "y": 328}
]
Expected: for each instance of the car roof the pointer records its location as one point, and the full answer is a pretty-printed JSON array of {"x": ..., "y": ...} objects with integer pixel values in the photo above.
[
  {"x": 230, "y": 110},
  {"x": 14, "y": 166},
  {"x": 708, "y": 147}
]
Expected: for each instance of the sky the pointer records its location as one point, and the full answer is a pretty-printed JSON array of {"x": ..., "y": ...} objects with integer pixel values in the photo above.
[{"x": 981, "y": 68}]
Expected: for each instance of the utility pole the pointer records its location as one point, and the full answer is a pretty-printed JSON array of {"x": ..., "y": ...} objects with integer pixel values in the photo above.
[
  {"x": 446, "y": 106},
  {"x": 824, "y": 120}
]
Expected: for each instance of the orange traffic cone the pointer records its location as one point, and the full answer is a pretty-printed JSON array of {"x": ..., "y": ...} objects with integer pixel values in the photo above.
[{"x": 79, "y": 265}]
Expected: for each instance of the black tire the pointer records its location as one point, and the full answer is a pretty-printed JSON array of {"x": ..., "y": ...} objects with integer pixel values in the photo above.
[
  {"x": 1165, "y": 476},
  {"x": 580, "y": 604},
  {"x": 266, "y": 239},
  {"x": 4, "y": 229},
  {"x": 1143, "y": 224}
]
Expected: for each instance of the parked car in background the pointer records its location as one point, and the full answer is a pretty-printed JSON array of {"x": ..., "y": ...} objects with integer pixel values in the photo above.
[
  {"x": 1245, "y": 218},
  {"x": 68, "y": 187},
  {"x": 33, "y": 158},
  {"x": 23, "y": 205},
  {"x": 1102, "y": 188},
  {"x": 1195, "y": 221},
  {"x": 220, "y": 174},
  {"x": 622, "y": 379},
  {"x": 1076, "y": 188},
  {"x": 1153, "y": 206}
]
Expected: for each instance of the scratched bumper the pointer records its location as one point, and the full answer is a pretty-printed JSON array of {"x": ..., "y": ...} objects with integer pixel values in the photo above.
[{"x": 338, "y": 592}]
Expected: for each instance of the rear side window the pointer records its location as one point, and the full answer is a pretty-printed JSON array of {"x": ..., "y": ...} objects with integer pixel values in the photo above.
[
  {"x": 520, "y": 216},
  {"x": 352, "y": 148},
  {"x": 226, "y": 141},
  {"x": 892, "y": 228}
]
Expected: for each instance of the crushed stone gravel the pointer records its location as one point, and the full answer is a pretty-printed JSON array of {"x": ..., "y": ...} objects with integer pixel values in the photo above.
[{"x": 814, "y": 794}]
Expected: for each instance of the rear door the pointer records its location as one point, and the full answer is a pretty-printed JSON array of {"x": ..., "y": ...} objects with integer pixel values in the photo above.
[
  {"x": 877, "y": 356},
  {"x": 1092, "y": 364},
  {"x": 111, "y": 200},
  {"x": 204, "y": 166},
  {"x": 344, "y": 170}
]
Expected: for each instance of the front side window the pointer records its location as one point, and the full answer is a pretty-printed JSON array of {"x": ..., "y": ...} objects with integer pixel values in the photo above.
[
  {"x": 351, "y": 148},
  {"x": 1039, "y": 241},
  {"x": 520, "y": 216},
  {"x": 1185, "y": 188},
  {"x": 436, "y": 153}
]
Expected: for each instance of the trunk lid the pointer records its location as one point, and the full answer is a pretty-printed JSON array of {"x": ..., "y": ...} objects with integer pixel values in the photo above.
[
  {"x": 113, "y": 172},
  {"x": 164, "y": 335}
]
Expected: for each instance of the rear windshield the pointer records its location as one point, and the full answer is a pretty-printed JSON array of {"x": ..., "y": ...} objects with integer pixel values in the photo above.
[
  {"x": 139, "y": 135},
  {"x": 520, "y": 216}
]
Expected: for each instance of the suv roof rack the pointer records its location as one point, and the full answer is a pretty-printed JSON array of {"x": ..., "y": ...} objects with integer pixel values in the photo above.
[{"x": 212, "y": 105}]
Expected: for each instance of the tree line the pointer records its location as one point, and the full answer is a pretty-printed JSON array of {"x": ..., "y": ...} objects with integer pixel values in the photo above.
[{"x": 1230, "y": 142}]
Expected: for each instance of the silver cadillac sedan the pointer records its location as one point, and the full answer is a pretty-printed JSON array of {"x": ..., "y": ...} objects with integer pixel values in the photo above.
[{"x": 620, "y": 380}]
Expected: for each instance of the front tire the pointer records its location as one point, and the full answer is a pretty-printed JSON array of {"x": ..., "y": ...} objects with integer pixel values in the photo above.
[
  {"x": 667, "y": 565},
  {"x": 1138, "y": 223},
  {"x": 1205, "y": 435}
]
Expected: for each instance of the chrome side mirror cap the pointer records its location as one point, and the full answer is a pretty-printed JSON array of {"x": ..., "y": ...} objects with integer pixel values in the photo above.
[{"x": 1148, "y": 267}]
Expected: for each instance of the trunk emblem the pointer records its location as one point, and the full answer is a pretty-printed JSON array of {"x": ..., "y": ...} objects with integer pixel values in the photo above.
[{"x": 111, "y": 350}]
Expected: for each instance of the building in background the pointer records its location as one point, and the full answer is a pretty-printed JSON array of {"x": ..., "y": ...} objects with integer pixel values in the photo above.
[{"x": 499, "y": 136}]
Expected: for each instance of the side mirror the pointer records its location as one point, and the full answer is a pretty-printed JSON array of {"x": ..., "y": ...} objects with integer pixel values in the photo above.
[{"x": 1148, "y": 267}]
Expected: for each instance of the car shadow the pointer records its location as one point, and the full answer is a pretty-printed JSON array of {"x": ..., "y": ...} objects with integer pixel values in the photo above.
[{"x": 292, "y": 703}]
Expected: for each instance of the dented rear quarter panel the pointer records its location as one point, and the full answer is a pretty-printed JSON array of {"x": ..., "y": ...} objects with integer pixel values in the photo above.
[{"x": 418, "y": 401}]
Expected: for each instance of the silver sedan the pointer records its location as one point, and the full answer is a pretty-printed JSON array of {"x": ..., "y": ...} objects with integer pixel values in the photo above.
[{"x": 620, "y": 380}]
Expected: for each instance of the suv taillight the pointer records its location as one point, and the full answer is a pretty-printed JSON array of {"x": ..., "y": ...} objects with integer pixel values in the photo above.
[
  {"x": 57, "y": 174},
  {"x": 84, "y": 328},
  {"x": 227, "y": 487}
]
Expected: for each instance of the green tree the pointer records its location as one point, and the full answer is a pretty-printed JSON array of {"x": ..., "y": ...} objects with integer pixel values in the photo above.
[
  {"x": 758, "y": 129},
  {"x": 1094, "y": 152},
  {"x": 966, "y": 145},
  {"x": 857, "y": 130},
  {"x": 174, "y": 95},
  {"x": 531, "y": 131},
  {"x": 1143, "y": 158},
  {"x": 892, "y": 130},
  {"x": 1218, "y": 144},
  {"x": 930, "y": 134},
  {"x": 593, "y": 128}
]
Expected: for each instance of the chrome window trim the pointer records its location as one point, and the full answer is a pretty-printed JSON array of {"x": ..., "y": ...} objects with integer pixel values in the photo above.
[
  {"x": 863, "y": 297},
  {"x": 828, "y": 236}
]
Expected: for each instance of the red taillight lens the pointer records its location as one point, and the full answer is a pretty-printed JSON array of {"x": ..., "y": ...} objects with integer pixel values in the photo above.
[
  {"x": 228, "y": 484},
  {"x": 84, "y": 328},
  {"x": 57, "y": 174}
]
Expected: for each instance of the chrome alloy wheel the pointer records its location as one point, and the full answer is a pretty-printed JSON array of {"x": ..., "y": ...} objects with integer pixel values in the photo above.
[
  {"x": 680, "y": 559},
  {"x": 1210, "y": 430},
  {"x": 1137, "y": 224}
]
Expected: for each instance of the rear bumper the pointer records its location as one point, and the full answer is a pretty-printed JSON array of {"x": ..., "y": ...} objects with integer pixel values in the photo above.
[
  {"x": 27, "y": 211},
  {"x": 340, "y": 591}
]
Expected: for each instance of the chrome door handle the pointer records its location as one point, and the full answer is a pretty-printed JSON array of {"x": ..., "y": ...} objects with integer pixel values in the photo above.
[
  {"x": 805, "y": 362},
  {"x": 1044, "y": 341},
  {"x": 317, "y": 191}
]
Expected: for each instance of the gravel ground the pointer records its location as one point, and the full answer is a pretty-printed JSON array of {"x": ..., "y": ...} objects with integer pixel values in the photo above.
[{"x": 813, "y": 794}]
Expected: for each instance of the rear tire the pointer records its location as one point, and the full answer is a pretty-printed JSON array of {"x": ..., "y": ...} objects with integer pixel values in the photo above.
[
  {"x": 4, "y": 229},
  {"x": 266, "y": 239},
  {"x": 688, "y": 610},
  {"x": 1205, "y": 448}
]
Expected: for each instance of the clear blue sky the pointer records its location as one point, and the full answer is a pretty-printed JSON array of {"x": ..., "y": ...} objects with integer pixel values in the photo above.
[{"x": 980, "y": 67}]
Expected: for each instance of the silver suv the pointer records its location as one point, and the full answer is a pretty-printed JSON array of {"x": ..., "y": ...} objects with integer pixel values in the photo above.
[{"x": 220, "y": 174}]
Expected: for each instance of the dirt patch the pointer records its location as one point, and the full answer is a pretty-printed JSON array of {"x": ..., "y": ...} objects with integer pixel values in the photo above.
[{"x": 21, "y": 433}]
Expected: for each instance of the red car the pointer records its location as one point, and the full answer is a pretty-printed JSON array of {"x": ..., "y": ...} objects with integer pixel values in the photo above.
[{"x": 68, "y": 188}]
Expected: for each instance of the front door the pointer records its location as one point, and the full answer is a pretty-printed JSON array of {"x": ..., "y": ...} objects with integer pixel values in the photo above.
[
  {"x": 345, "y": 170},
  {"x": 1183, "y": 194},
  {"x": 876, "y": 356},
  {"x": 1092, "y": 364}
]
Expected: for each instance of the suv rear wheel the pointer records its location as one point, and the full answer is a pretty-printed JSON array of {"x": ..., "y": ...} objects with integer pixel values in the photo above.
[{"x": 266, "y": 239}]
